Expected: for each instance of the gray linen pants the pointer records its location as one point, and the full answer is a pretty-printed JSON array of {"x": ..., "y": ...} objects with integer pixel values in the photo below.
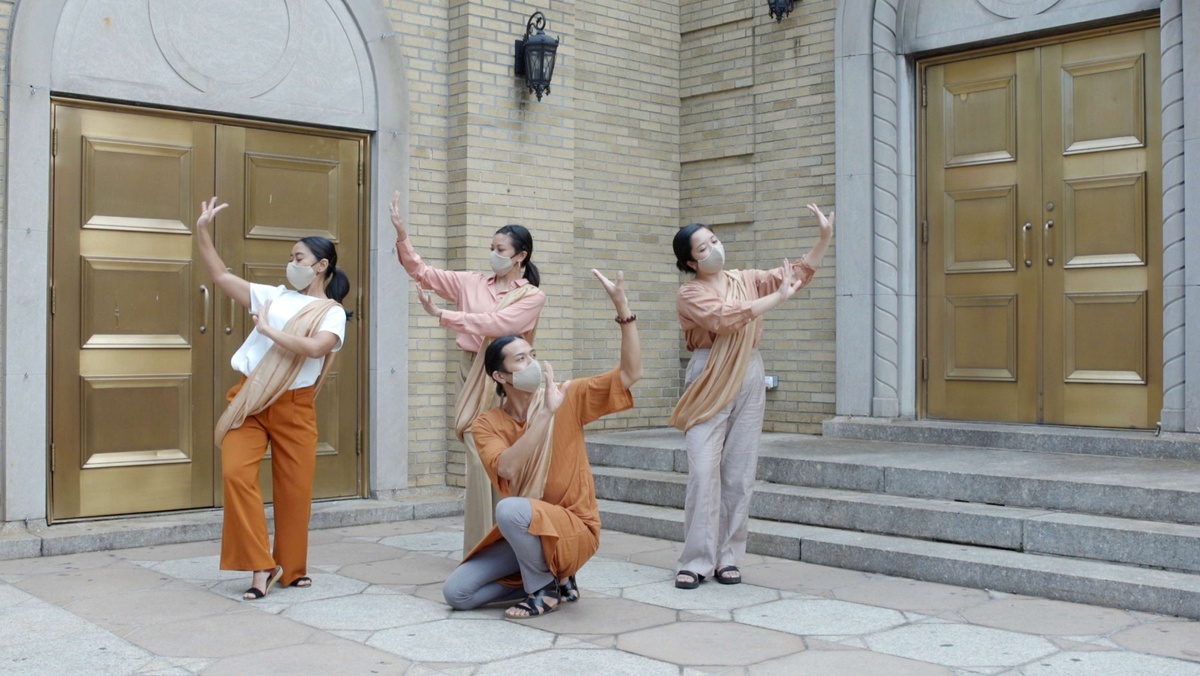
[
  {"x": 722, "y": 461},
  {"x": 475, "y": 582}
]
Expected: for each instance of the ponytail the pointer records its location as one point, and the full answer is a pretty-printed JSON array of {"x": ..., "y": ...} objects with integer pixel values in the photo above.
[
  {"x": 522, "y": 240},
  {"x": 337, "y": 284}
]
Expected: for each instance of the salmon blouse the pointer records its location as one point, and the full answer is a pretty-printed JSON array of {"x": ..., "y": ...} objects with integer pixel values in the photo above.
[
  {"x": 567, "y": 518},
  {"x": 704, "y": 314},
  {"x": 476, "y": 297}
]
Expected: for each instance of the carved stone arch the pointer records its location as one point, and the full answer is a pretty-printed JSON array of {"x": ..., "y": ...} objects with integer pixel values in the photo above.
[
  {"x": 874, "y": 80},
  {"x": 45, "y": 57}
]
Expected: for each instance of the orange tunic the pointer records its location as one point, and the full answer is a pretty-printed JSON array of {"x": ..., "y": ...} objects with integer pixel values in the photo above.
[{"x": 567, "y": 518}]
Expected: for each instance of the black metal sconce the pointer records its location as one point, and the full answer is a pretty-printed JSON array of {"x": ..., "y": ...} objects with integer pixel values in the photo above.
[
  {"x": 535, "y": 55},
  {"x": 781, "y": 8}
]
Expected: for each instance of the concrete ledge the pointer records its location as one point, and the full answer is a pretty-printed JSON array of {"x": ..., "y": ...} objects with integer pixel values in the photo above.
[
  {"x": 31, "y": 540},
  {"x": 1042, "y": 439}
]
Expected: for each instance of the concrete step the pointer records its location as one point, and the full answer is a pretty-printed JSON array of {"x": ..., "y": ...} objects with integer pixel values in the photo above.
[
  {"x": 1143, "y": 543},
  {"x": 1039, "y": 438},
  {"x": 1150, "y": 489},
  {"x": 30, "y": 540},
  {"x": 1067, "y": 579}
]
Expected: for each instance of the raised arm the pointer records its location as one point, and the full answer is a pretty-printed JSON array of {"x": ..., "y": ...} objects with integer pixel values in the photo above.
[
  {"x": 825, "y": 225},
  {"x": 444, "y": 283},
  {"x": 230, "y": 284},
  {"x": 631, "y": 346}
]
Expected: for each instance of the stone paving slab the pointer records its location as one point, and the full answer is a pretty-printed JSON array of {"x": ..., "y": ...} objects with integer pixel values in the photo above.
[{"x": 376, "y": 608}]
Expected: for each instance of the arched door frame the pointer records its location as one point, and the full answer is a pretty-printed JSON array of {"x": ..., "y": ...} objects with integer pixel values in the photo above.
[
  {"x": 876, "y": 196},
  {"x": 27, "y": 246}
]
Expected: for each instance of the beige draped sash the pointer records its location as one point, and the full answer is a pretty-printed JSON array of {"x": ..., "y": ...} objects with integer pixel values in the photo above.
[
  {"x": 721, "y": 378},
  {"x": 476, "y": 396},
  {"x": 276, "y": 372}
]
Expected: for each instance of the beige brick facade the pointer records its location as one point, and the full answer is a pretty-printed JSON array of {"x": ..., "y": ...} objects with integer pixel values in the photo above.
[{"x": 660, "y": 114}]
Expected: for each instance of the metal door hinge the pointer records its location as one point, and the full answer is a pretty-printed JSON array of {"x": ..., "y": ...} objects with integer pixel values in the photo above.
[
  {"x": 925, "y": 232},
  {"x": 53, "y": 300},
  {"x": 54, "y": 144},
  {"x": 52, "y": 461},
  {"x": 358, "y": 305},
  {"x": 360, "y": 172},
  {"x": 924, "y": 369},
  {"x": 924, "y": 96},
  {"x": 358, "y": 441}
]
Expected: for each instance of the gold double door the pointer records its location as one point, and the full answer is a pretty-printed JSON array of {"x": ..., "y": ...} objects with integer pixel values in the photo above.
[
  {"x": 1043, "y": 233},
  {"x": 141, "y": 339}
]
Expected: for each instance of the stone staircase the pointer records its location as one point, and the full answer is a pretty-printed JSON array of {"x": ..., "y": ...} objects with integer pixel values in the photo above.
[{"x": 1104, "y": 517}]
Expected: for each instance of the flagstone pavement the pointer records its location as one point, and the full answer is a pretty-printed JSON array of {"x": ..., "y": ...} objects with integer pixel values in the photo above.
[{"x": 376, "y": 608}]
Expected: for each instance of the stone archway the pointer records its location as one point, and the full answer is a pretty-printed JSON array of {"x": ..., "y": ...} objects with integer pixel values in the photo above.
[
  {"x": 876, "y": 186},
  {"x": 119, "y": 55}
]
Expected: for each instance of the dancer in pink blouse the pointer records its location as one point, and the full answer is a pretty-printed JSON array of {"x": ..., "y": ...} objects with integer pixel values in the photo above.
[{"x": 506, "y": 302}]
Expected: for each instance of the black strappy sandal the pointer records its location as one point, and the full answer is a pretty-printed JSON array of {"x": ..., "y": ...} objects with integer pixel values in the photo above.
[
  {"x": 692, "y": 583},
  {"x": 254, "y": 593},
  {"x": 535, "y": 604},
  {"x": 728, "y": 575},
  {"x": 301, "y": 582},
  {"x": 569, "y": 591}
]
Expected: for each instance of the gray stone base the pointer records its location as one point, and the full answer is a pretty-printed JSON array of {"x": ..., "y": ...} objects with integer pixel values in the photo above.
[{"x": 30, "y": 540}]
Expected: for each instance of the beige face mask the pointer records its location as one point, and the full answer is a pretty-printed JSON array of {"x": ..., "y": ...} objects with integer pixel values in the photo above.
[
  {"x": 714, "y": 262},
  {"x": 528, "y": 379},
  {"x": 300, "y": 276}
]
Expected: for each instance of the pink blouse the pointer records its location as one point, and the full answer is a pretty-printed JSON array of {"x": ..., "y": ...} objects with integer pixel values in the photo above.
[
  {"x": 476, "y": 297},
  {"x": 704, "y": 315}
]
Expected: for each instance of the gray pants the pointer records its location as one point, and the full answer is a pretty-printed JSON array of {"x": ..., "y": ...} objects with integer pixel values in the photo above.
[
  {"x": 722, "y": 461},
  {"x": 475, "y": 582}
]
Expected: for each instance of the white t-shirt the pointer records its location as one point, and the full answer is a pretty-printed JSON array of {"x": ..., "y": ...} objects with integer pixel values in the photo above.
[{"x": 285, "y": 304}]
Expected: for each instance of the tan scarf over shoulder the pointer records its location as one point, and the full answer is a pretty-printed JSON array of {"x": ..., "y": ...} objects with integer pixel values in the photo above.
[
  {"x": 531, "y": 482},
  {"x": 276, "y": 372},
  {"x": 477, "y": 394},
  {"x": 721, "y": 378}
]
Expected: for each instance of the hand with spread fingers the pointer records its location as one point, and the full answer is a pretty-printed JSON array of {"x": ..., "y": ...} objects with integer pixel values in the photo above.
[{"x": 427, "y": 303}]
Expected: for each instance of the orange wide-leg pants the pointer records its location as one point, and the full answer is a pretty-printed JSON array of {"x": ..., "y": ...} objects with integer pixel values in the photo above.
[{"x": 290, "y": 426}]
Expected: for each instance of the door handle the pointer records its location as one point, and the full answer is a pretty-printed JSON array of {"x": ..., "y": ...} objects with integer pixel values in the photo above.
[
  {"x": 1025, "y": 244},
  {"x": 204, "y": 291},
  {"x": 1046, "y": 240},
  {"x": 232, "y": 311}
]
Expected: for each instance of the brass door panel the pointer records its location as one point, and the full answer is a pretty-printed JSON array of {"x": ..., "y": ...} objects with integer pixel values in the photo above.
[
  {"x": 979, "y": 152},
  {"x": 141, "y": 341},
  {"x": 1045, "y": 259},
  {"x": 1103, "y": 297},
  {"x": 281, "y": 187},
  {"x": 130, "y": 371}
]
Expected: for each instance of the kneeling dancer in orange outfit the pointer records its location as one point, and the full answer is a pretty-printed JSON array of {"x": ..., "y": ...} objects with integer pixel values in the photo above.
[
  {"x": 532, "y": 447},
  {"x": 284, "y": 361}
]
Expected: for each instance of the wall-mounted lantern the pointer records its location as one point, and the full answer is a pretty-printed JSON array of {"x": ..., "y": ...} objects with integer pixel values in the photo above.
[
  {"x": 780, "y": 8},
  {"x": 535, "y": 55}
]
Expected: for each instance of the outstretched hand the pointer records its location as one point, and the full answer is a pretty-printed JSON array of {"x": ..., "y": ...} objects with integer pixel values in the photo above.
[
  {"x": 555, "y": 394},
  {"x": 615, "y": 290},
  {"x": 427, "y": 303},
  {"x": 261, "y": 319},
  {"x": 825, "y": 223},
  {"x": 791, "y": 283},
  {"x": 397, "y": 219},
  {"x": 208, "y": 211}
]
